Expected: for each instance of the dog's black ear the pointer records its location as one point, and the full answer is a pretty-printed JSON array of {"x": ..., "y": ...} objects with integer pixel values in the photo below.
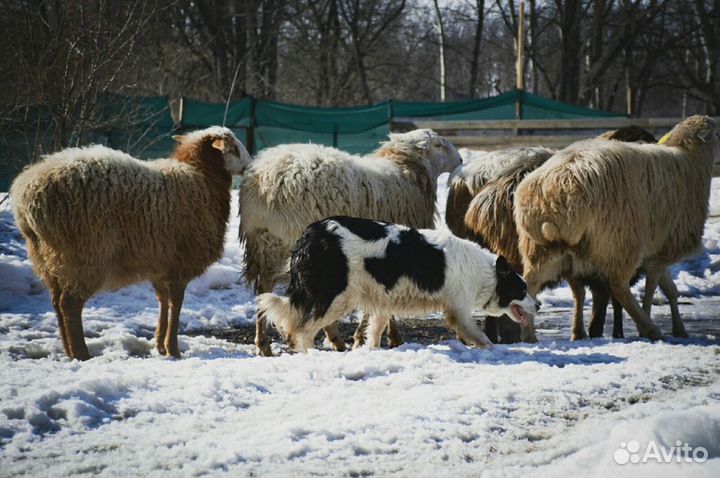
[{"x": 501, "y": 266}]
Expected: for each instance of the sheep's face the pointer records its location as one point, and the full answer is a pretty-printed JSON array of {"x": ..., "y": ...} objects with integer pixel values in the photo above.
[
  {"x": 445, "y": 155},
  {"x": 236, "y": 157},
  {"x": 442, "y": 154},
  {"x": 694, "y": 130}
]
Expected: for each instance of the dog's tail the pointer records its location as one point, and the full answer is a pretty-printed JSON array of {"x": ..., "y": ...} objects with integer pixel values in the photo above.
[{"x": 280, "y": 313}]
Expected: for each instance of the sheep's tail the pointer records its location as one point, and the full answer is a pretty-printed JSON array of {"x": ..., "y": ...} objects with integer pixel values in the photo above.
[
  {"x": 280, "y": 313},
  {"x": 550, "y": 231}
]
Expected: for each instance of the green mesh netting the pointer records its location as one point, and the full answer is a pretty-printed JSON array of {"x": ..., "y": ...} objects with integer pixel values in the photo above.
[
  {"x": 143, "y": 126},
  {"x": 198, "y": 114},
  {"x": 501, "y": 107}
]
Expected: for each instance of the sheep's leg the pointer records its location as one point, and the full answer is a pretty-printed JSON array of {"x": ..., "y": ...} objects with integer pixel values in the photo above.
[
  {"x": 621, "y": 291},
  {"x": 71, "y": 307},
  {"x": 578, "y": 327},
  {"x": 668, "y": 287},
  {"x": 534, "y": 278},
  {"x": 374, "y": 330},
  {"x": 527, "y": 334},
  {"x": 509, "y": 330},
  {"x": 651, "y": 282},
  {"x": 393, "y": 334},
  {"x": 262, "y": 342},
  {"x": 618, "y": 332},
  {"x": 332, "y": 332},
  {"x": 490, "y": 328},
  {"x": 466, "y": 328},
  {"x": 55, "y": 293},
  {"x": 601, "y": 297},
  {"x": 359, "y": 336},
  {"x": 177, "y": 295},
  {"x": 163, "y": 295}
]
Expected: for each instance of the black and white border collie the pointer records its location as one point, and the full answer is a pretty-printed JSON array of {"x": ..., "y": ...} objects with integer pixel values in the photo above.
[{"x": 343, "y": 263}]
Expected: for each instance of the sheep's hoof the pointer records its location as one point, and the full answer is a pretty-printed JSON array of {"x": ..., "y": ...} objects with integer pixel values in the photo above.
[
  {"x": 681, "y": 334},
  {"x": 161, "y": 349},
  {"x": 653, "y": 333},
  {"x": 358, "y": 341},
  {"x": 618, "y": 335},
  {"x": 263, "y": 349},
  {"x": 529, "y": 338},
  {"x": 579, "y": 336},
  {"x": 393, "y": 343},
  {"x": 81, "y": 356},
  {"x": 595, "y": 332},
  {"x": 339, "y": 346}
]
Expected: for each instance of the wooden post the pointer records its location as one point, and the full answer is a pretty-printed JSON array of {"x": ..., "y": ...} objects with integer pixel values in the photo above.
[
  {"x": 520, "y": 65},
  {"x": 628, "y": 95}
]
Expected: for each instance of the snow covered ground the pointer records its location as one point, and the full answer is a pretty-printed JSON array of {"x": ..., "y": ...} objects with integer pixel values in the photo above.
[{"x": 553, "y": 408}]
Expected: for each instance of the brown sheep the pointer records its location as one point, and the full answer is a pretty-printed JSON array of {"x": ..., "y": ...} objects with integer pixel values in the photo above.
[{"x": 97, "y": 219}]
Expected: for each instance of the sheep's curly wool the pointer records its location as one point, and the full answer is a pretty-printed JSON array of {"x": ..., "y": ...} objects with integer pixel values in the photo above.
[
  {"x": 467, "y": 180},
  {"x": 96, "y": 219},
  {"x": 291, "y": 186}
]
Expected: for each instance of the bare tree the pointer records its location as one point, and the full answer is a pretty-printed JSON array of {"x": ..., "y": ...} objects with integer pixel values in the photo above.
[{"x": 63, "y": 60}]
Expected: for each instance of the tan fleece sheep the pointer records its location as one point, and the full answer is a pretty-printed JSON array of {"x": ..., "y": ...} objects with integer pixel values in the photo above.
[
  {"x": 609, "y": 208},
  {"x": 291, "y": 186},
  {"x": 466, "y": 181},
  {"x": 97, "y": 219},
  {"x": 490, "y": 221},
  {"x": 464, "y": 184}
]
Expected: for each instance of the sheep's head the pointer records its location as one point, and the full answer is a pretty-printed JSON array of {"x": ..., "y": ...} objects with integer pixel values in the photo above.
[
  {"x": 693, "y": 131},
  {"x": 235, "y": 157},
  {"x": 441, "y": 153},
  {"x": 629, "y": 134}
]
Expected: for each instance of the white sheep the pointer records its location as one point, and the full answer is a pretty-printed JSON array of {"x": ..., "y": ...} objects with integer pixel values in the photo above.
[
  {"x": 97, "y": 219},
  {"x": 609, "y": 208},
  {"x": 291, "y": 186}
]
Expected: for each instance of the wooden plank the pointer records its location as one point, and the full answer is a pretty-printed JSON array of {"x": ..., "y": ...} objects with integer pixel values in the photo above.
[
  {"x": 595, "y": 123},
  {"x": 499, "y": 142}
]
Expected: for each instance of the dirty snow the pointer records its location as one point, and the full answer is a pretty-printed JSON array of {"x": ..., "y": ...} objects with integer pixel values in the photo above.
[{"x": 553, "y": 408}]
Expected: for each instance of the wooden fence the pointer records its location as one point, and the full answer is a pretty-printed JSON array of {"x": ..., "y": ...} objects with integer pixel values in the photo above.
[{"x": 555, "y": 133}]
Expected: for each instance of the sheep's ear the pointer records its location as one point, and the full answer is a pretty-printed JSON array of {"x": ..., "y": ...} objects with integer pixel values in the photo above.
[
  {"x": 664, "y": 139},
  {"x": 178, "y": 137},
  {"x": 221, "y": 144},
  {"x": 706, "y": 133},
  {"x": 423, "y": 144}
]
